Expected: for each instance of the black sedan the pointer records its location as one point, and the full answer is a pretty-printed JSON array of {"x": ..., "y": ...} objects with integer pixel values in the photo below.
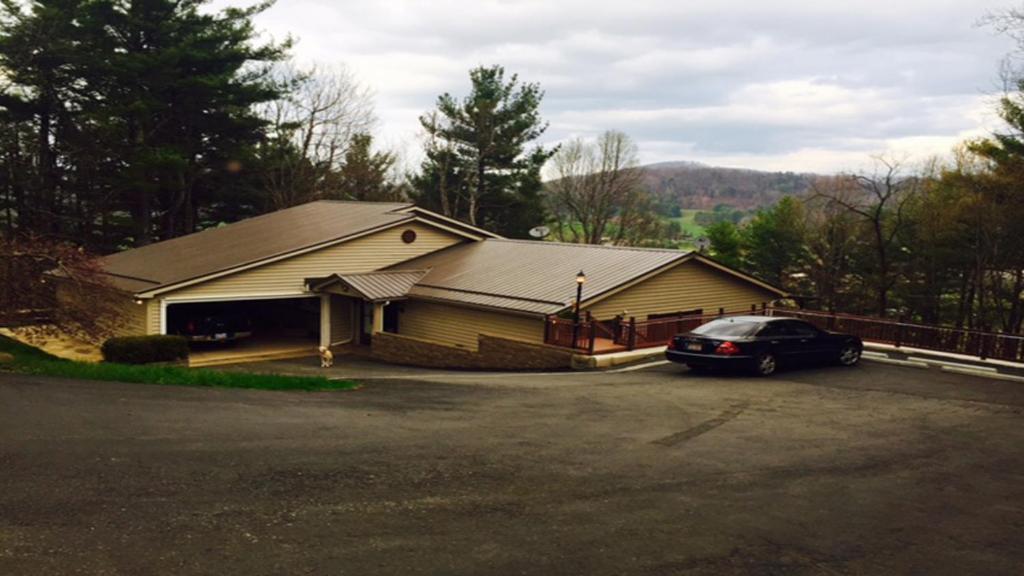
[{"x": 761, "y": 344}]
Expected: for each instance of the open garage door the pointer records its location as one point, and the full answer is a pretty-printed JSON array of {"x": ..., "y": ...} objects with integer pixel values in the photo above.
[{"x": 246, "y": 329}]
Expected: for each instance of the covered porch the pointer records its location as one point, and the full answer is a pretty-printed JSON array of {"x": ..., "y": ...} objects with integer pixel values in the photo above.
[{"x": 354, "y": 307}]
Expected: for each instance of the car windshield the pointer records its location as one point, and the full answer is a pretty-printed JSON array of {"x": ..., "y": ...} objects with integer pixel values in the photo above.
[{"x": 727, "y": 328}]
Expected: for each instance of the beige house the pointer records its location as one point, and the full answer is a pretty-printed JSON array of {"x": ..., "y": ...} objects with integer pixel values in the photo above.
[{"x": 360, "y": 274}]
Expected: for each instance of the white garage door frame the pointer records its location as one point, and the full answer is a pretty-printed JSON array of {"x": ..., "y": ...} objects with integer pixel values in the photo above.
[{"x": 325, "y": 306}]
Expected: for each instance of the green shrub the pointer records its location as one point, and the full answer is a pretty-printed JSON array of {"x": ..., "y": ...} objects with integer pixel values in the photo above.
[{"x": 145, "y": 349}]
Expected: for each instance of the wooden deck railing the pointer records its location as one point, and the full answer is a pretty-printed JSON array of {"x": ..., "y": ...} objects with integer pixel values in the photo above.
[
  {"x": 899, "y": 333},
  {"x": 630, "y": 333},
  {"x": 567, "y": 334},
  {"x": 627, "y": 333}
]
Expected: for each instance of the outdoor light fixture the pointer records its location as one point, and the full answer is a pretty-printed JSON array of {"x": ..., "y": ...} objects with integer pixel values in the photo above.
[
  {"x": 580, "y": 279},
  {"x": 138, "y": 301}
]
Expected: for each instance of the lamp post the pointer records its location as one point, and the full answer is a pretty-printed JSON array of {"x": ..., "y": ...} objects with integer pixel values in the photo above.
[{"x": 581, "y": 278}]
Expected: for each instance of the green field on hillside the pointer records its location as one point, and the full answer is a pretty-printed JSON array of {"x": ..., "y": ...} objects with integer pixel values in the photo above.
[{"x": 688, "y": 224}]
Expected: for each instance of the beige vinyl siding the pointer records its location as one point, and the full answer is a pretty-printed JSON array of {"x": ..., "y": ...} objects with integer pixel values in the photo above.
[
  {"x": 133, "y": 319},
  {"x": 460, "y": 326},
  {"x": 364, "y": 254},
  {"x": 152, "y": 316},
  {"x": 130, "y": 317},
  {"x": 687, "y": 286},
  {"x": 342, "y": 310}
]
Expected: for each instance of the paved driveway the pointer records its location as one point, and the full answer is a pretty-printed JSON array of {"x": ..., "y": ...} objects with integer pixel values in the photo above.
[{"x": 872, "y": 470}]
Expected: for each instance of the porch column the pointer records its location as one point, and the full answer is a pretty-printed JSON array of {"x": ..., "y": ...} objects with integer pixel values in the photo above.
[
  {"x": 378, "y": 317},
  {"x": 325, "y": 320}
]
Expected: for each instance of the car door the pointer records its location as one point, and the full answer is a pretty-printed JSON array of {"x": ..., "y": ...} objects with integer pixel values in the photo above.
[
  {"x": 779, "y": 338},
  {"x": 811, "y": 342}
]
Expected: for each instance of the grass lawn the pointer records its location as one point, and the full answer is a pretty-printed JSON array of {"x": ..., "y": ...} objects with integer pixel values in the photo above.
[
  {"x": 29, "y": 360},
  {"x": 688, "y": 224}
]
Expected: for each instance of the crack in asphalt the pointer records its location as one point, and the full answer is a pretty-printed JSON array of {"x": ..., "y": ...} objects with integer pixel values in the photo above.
[{"x": 702, "y": 428}]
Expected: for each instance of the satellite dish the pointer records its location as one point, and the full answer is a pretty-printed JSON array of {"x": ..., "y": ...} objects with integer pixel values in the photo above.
[
  {"x": 703, "y": 244},
  {"x": 540, "y": 231}
]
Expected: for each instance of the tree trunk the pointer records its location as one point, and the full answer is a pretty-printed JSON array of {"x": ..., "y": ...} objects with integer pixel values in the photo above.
[
  {"x": 883, "y": 270},
  {"x": 982, "y": 315},
  {"x": 45, "y": 216}
]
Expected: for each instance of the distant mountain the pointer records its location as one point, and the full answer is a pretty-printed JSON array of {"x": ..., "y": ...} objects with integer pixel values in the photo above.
[{"x": 699, "y": 186}]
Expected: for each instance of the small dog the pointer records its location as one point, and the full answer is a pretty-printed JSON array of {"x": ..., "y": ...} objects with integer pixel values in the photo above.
[{"x": 326, "y": 357}]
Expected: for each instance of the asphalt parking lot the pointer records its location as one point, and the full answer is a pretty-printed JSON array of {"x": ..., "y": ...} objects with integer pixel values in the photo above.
[{"x": 873, "y": 470}]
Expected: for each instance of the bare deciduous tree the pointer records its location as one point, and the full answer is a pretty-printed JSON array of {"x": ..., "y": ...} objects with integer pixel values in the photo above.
[
  {"x": 878, "y": 199},
  {"x": 598, "y": 184},
  {"x": 311, "y": 130},
  {"x": 831, "y": 237}
]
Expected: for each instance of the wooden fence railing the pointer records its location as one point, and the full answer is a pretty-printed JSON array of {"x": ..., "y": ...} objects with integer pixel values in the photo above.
[
  {"x": 627, "y": 334},
  {"x": 898, "y": 333},
  {"x": 568, "y": 334},
  {"x": 630, "y": 333}
]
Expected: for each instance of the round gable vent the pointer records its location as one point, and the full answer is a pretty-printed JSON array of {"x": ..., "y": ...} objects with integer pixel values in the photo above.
[{"x": 409, "y": 236}]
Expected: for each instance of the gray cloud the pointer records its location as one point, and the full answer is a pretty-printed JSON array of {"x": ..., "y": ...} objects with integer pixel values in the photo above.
[{"x": 773, "y": 84}]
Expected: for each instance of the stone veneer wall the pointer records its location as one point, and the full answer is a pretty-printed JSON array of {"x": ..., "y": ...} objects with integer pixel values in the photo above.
[{"x": 494, "y": 354}]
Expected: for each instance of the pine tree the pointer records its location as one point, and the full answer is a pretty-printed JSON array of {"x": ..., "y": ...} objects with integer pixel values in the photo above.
[
  {"x": 477, "y": 165},
  {"x": 142, "y": 110},
  {"x": 364, "y": 175}
]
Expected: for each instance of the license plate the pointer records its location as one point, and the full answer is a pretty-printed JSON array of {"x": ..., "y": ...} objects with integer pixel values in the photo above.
[
  {"x": 220, "y": 336},
  {"x": 694, "y": 346}
]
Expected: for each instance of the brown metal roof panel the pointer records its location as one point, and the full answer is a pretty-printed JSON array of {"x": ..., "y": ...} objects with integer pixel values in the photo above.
[
  {"x": 484, "y": 300},
  {"x": 252, "y": 240},
  {"x": 539, "y": 271},
  {"x": 382, "y": 285}
]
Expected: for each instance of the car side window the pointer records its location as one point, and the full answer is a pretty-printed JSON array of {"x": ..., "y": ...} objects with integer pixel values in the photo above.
[
  {"x": 773, "y": 330},
  {"x": 802, "y": 329}
]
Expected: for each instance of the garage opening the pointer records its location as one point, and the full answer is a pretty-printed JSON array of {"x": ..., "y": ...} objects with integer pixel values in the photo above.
[{"x": 246, "y": 329}]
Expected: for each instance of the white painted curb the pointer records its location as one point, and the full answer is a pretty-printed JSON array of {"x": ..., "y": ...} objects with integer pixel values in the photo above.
[{"x": 982, "y": 374}]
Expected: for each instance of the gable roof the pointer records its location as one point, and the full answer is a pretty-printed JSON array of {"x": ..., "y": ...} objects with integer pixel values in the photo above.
[
  {"x": 538, "y": 277},
  {"x": 373, "y": 286},
  {"x": 530, "y": 276},
  {"x": 167, "y": 264}
]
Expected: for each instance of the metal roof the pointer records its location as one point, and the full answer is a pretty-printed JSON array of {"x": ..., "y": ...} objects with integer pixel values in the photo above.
[
  {"x": 374, "y": 286},
  {"x": 248, "y": 241},
  {"x": 530, "y": 276}
]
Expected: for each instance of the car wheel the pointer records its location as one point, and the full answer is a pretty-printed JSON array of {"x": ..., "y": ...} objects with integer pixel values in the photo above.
[
  {"x": 849, "y": 354},
  {"x": 765, "y": 364}
]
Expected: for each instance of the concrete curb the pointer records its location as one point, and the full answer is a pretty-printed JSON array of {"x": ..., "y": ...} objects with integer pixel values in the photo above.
[
  {"x": 581, "y": 362},
  {"x": 952, "y": 363}
]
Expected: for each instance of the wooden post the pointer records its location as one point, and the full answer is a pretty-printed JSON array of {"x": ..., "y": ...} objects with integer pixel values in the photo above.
[
  {"x": 983, "y": 353},
  {"x": 325, "y": 320},
  {"x": 721, "y": 311},
  {"x": 378, "y": 317},
  {"x": 764, "y": 308},
  {"x": 547, "y": 329},
  {"x": 899, "y": 331},
  {"x": 593, "y": 337},
  {"x": 631, "y": 339}
]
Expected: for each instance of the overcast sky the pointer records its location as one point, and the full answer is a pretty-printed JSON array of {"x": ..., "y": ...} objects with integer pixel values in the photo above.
[{"x": 782, "y": 85}]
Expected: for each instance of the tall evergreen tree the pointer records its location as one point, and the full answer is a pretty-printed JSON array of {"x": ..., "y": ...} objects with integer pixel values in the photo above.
[
  {"x": 726, "y": 242},
  {"x": 775, "y": 241},
  {"x": 141, "y": 108},
  {"x": 364, "y": 175},
  {"x": 478, "y": 166}
]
